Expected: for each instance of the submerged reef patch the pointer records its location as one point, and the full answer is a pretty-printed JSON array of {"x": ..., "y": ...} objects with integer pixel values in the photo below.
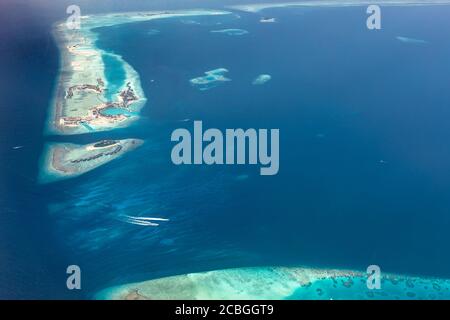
[
  {"x": 261, "y": 79},
  {"x": 212, "y": 79},
  {"x": 231, "y": 32},
  {"x": 411, "y": 40},
  {"x": 153, "y": 32}
]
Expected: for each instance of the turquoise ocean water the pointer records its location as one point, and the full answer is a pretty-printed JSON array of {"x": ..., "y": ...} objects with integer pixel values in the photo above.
[{"x": 364, "y": 164}]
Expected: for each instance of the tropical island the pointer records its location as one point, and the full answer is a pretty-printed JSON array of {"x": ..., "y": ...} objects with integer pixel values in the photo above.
[
  {"x": 66, "y": 160},
  {"x": 84, "y": 100},
  {"x": 279, "y": 283}
]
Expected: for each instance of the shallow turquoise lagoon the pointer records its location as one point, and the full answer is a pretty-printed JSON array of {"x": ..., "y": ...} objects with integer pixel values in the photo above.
[{"x": 115, "y": 75}]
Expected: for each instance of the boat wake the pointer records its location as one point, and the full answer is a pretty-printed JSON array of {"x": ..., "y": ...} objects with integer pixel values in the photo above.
[{"x": 142, "y": 221}]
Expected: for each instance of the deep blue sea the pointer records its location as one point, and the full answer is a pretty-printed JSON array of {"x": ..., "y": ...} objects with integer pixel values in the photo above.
[{"x": 364, "y": 158}]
